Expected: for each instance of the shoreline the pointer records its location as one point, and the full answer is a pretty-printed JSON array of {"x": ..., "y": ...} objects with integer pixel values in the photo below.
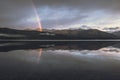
[{"x": 66, "y": 40}]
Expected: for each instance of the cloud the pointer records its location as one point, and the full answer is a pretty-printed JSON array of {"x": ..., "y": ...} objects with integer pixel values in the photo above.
[
  {"x": 98, "y": 12},
  {"x": 58, "y": 17},
  {"x": 112, "y": 29},
  {"x": 20, "y": 13},
  {"x": 14, "y": 12},
  {"x": 112, "y": 5}
]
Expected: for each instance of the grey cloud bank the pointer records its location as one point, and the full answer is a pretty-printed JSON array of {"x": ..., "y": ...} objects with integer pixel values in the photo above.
[{"x": 20, "y": 14}]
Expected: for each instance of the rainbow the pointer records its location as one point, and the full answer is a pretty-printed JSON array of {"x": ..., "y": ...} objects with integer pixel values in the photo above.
[{"x": 37, "y": 16}]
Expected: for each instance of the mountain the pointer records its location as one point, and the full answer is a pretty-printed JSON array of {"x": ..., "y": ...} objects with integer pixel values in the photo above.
[
  {"x": 6, "y": 33},
  {"x": 86, "y": 34},
  {"x": 117, "y": 33}
]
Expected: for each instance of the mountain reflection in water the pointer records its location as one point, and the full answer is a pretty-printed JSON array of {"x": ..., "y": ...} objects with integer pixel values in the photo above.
[{"x": 59, "y": 60}]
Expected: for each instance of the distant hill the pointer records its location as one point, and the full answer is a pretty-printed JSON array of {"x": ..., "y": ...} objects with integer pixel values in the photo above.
[
  {"x": 86, "y": 34},
  {"x": 117, "y": 33},
  {"x": 6, "y": 33}
]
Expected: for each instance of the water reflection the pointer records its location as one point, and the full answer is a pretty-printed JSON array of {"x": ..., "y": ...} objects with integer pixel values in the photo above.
[
  {"x": 53, "y": 61},
  {"x": 39, "y": 55}
]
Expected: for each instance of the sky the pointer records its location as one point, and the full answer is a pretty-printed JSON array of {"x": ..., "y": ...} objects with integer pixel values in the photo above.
[{"x": 61, "y": 14}]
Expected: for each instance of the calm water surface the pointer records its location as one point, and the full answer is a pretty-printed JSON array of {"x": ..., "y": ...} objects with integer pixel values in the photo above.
[{"x": 60, "y": 62}]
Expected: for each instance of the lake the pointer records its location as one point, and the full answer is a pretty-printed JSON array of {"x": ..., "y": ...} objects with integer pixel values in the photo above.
[{"x": 64, "y": 60}]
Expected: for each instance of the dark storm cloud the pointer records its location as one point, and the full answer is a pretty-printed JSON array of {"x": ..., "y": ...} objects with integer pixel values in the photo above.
[
  {"x": 114, "y": 28},
  {"x": 13, "y": 12},
  {"x": 112, "y": 5}
]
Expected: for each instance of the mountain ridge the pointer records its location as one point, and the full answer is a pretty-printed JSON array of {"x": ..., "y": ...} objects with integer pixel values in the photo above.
[{"x": 6, "y": 33}]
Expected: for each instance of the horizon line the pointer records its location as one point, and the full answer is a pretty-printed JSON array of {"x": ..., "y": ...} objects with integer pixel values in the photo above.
[{"x": 91, "y": 40}]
